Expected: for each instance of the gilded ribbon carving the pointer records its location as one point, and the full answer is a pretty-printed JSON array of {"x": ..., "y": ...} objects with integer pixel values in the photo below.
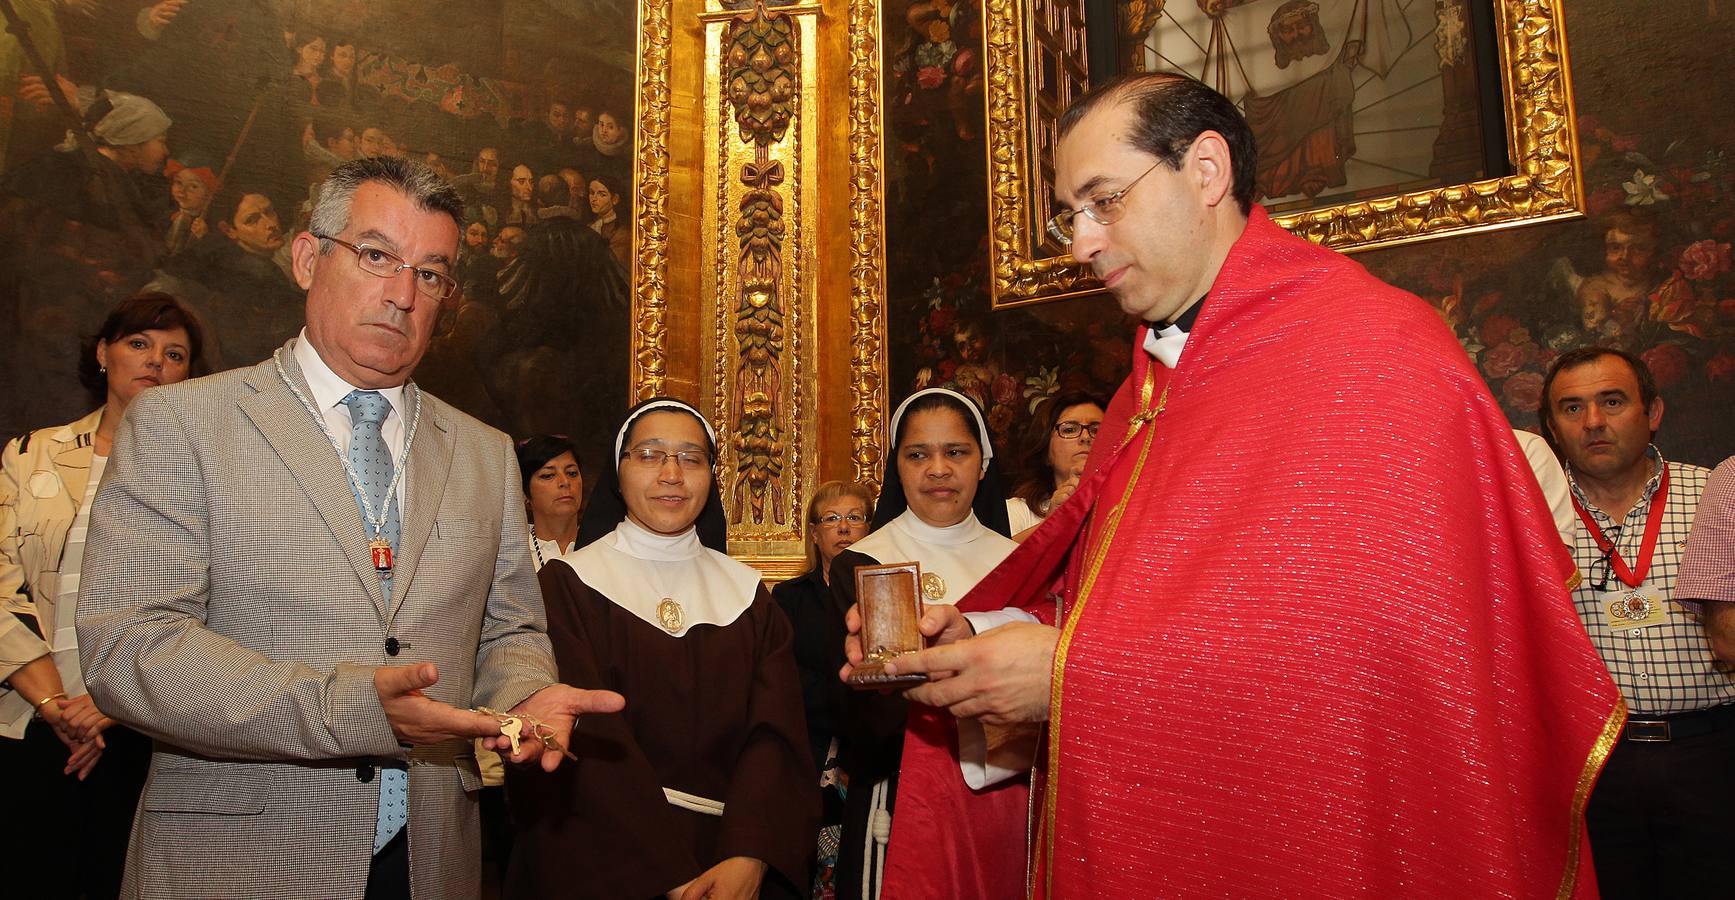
[{"x": 761, "y": 60}]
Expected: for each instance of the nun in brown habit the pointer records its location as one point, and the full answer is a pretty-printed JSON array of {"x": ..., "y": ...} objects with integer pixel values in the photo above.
[{"x": 703, "y": 786}]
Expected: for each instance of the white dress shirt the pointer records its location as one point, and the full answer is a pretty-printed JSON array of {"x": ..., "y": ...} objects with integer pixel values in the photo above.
[{"x": 327, "y": 391}]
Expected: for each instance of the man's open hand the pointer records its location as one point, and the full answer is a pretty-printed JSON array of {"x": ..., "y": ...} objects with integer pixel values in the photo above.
[{"x": 557, "y": 707}]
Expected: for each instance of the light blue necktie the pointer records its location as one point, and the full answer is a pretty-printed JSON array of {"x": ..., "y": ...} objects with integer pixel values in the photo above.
[{"x": 371, "y": 460}]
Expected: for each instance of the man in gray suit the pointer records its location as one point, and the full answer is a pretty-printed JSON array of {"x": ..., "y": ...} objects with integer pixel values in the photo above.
[{"x": 300, "y": 576}]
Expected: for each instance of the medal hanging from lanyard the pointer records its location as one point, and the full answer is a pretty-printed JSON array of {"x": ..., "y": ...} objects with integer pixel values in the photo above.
[
  {"x": 379, "y": 548},
  {"x": 1632, "y": 577}
]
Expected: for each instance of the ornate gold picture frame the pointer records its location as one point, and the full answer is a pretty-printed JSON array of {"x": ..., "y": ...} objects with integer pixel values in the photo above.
[
  {"x": 650, "y": 269},
  {"x": 1541, "y": 141}
]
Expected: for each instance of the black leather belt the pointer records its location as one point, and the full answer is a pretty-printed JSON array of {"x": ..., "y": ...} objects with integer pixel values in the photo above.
[{"x": 1660, "y": 729}]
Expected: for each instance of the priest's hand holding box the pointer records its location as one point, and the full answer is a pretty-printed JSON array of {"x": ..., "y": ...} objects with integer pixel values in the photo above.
[{"x": 887, "y": 617}]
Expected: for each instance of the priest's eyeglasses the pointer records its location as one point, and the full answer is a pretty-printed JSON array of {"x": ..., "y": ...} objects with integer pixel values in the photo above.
[
  {"x": 1105, "y": 210},
  {"x": 652, "y": 458},
  {"x": 833, "y": 520},
  {"x": 1071, "y": 430},
  {"x": 386, "y": 264}
]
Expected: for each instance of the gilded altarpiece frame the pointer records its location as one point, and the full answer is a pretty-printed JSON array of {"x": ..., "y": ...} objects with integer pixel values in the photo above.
[
  {"x": 1542, "y": 149},
  {"x": 794, "y": 385}
]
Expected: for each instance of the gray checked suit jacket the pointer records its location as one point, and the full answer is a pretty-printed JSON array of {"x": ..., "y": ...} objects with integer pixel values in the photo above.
[{"x": 229, "y": 609}]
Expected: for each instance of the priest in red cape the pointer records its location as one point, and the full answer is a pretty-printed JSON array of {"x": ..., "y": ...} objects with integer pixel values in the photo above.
[{"x": 1314, "y": 636}]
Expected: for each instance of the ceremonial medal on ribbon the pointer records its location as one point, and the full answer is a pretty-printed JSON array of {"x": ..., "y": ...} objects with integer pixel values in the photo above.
[
  {"x": 381, "y": 549},
  {"x": 669, "y": 613}
]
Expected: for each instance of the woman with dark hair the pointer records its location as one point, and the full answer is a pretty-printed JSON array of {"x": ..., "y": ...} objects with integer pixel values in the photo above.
[
  {"x": 837, "y": 516},
  {"x": 702, "y": 786},
  {"x": 553, "y": 493},
  {"x": 941, "y": 508},
  {"x": 1055, "y": 449},
  {"x": 47, "y": 480}
]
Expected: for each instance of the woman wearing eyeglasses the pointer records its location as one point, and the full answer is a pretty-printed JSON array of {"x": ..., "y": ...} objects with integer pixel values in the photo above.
[
  {"x": 837, "y": 516},
  {"x": 703, "y": 786},
  {"x": 941, "y": 508},
  {"x": 1055, "y": 450}
]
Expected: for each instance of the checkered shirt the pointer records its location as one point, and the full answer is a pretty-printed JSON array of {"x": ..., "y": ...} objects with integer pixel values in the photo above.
[
  {"x": 1668, "y": 667},
  {"x": 1708, "y": 565}
]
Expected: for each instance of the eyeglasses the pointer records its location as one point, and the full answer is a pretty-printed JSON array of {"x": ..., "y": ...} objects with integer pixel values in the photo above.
[
  {"x": 386, "y": 264},
  {"x": 1070, "y": 429},
  {"x": 652, "y": 458},
  {"x": 1102, "y": 210},
  {"x": 1600, "y": 583},
  {"x": 833, "y": 520}
]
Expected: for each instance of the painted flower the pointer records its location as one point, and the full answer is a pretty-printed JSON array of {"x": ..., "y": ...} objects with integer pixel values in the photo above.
[
  {"x": 999, "y": 418},
  {"x": 1004, "y": 389},
  {"x": 1675, "y": 304},
  {"x": 930, "y": 77},
  {"x": 1039, "y": 387},
  {"x": 1668, "y": 364},
  {"x": 1720, "y": 367},
  {"x": 1643, "y": 190},
  {"x": 1502, "y": 360},
  {"x": 1523, "y": 391},
  {"x": 1704, "y": 260},
  {"x": 924, "y": 378}
]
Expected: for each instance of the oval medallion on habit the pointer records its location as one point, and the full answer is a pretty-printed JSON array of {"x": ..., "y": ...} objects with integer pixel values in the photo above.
[
  {"x": 933, "y": 587},
  {"x": 669, "y": 613}
]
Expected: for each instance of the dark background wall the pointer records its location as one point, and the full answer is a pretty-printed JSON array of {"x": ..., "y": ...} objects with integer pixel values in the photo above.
[{"x": 1653, "y": 91}]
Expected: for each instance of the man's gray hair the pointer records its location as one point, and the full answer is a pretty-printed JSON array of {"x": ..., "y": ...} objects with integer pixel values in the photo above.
[{"x": 428, "y": 191}]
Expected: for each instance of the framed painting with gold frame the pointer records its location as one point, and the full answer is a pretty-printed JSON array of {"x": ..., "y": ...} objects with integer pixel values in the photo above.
[{"x": 1034, "y": 64}]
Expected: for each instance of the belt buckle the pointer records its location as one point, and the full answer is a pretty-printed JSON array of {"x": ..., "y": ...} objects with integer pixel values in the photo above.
[{"x": 1654, "y": 732}]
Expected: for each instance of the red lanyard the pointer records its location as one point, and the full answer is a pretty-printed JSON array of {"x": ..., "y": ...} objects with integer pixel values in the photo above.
[{"x": 1653, "y": 526}]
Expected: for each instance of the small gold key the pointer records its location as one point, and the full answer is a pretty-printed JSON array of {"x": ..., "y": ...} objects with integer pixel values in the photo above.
[{"x": 512, "y": 727}]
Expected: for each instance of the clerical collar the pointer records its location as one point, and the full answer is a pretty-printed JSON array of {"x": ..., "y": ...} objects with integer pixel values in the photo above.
[
  {"x": 1165, "y": 341},
  {"x": 1186, "y": 320}
]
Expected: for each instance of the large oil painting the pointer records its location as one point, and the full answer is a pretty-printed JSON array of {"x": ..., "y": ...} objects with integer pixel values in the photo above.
[
  {"x": 528, "y": 107},
  {"x": 1347, "y": 99}
]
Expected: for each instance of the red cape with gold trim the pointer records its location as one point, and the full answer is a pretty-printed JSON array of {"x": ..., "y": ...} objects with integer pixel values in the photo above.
[{"x": 1318, "y": 640}]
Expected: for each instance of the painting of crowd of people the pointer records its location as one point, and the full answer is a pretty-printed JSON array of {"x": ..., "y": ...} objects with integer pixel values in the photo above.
[{"x": 208, "y": 124}]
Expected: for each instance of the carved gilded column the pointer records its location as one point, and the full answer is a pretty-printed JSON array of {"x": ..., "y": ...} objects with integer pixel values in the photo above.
[{"x": 776, "y": 294}]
